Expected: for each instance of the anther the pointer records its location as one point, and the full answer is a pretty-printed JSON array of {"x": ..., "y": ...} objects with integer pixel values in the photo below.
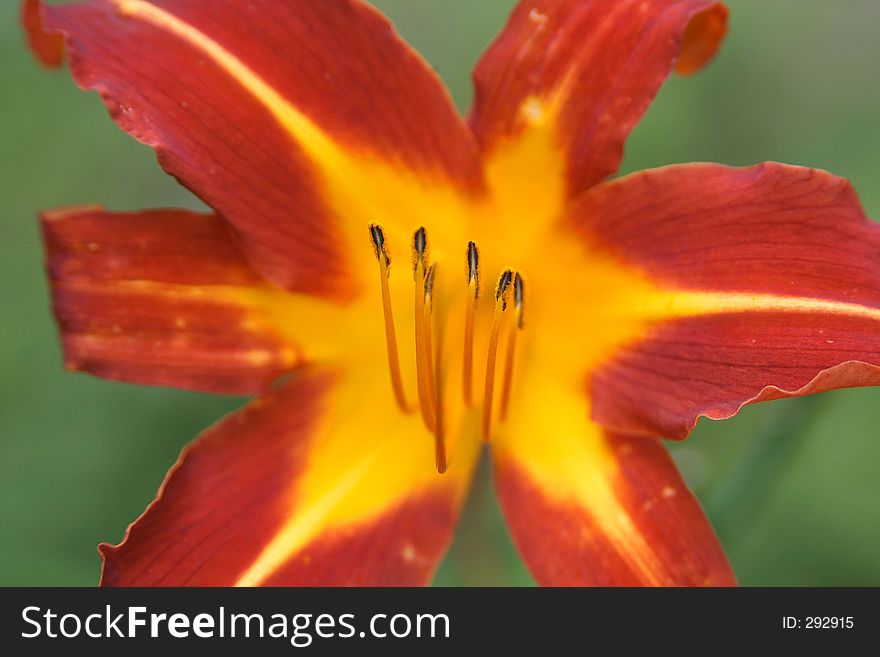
[
  {"x": 473, "y": 261},
  {"x": 502, "y": 294},
  {"x": 420, "y": 252},
  {"x": 378, "y": 237},
  {"x": 518, "y": 302},
  {"x": 519, "y": 295}
]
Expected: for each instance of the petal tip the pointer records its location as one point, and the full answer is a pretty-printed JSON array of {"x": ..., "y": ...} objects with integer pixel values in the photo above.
[
  {"x": 54, "y": 215},
  {"x": 702, "y": 38},
  {"x": 106, "y": 551},
  {"x": 47, "y": 46}
]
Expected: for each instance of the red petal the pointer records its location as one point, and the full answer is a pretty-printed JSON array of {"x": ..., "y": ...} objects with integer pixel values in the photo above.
[
  {"x": 224, "y": 514},
  {"x": 594, "y": 66},
  {"x": 402, "y": 547},
  {"x": 292, "y": 119},
  {"x": 711, "y": 366},
  {"x": 775, "y": 282},
  {"x": 587, "y": 508},
  {"x": 48, "y": 47},
  {"x": 160, "y": 298}
]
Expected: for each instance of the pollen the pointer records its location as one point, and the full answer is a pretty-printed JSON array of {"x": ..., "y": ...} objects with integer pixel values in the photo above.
[
  {"x": 533, "y": 111},
  {"x": 538, "y": 18},
  {"x": 408, "y": 553}
]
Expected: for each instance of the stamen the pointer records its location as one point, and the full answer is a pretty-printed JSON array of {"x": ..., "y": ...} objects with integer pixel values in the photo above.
[
  {"x": 429, "y": 331},
  {"x": 502, "y": 292},
  {"x": 429, "y": 286},
  {"x": 518, "y": 301},
  {"x": 378, "y": 237},
  {"x": 435, "y": 371},
  {"x": 423, "y": 353},
  {"x": 473, "y": 259}
]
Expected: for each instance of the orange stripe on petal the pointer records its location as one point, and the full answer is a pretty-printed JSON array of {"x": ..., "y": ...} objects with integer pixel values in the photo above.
[
  {"x": 299, "y": 122},
  {"x": 587, "y": 508},
  {"x": 166, "y": 298},
  {"x": 319, "y": 483}
]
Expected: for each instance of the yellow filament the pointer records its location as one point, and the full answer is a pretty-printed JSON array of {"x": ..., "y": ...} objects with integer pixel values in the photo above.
[
  {"x": 490, "y": 368},
  {"x": 391, "y": 339},
  {"x": 423, "y": 353},
  {"x": 439, "y": 433},
  {"x": 467, "y": 371},
  {"x": 508, "y": 371},
  {"x": 428, "y": 332}
]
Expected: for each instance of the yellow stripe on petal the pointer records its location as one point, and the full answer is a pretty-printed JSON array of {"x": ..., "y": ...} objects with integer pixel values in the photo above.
[
  {"x": 360, "y": 186},
  {"x": 588, "y": 508},
  {"x": 686, "y": 304},
  {"x": 586, "y": 305},
  {"x": 296, "y": 123},
  {"x": 553, "y": 440},
  {"x": 365, "y": 460},
  {"x": 586, "y": 71},
  {"x": 286, "y": 492},
  {"x": 526, "y": 176}
]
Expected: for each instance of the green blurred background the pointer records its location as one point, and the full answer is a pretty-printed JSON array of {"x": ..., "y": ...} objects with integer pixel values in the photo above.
[{"x": 792, "y": 487}]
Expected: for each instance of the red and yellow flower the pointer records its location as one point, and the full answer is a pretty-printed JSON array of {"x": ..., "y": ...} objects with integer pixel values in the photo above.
[{"x": 515, "y": 294}]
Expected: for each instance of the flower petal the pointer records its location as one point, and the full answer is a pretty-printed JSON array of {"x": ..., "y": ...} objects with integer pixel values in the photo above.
[
  {"x": 167, "y": 298},
  {"x": 767, "y": 284},
  {"x": 317, "y": 484},
  {"x": 300, "y": 129},
  {"x": 589, "y": 508},
  {"x": 711, "y": 366},
  {"x": 567, "y": 80}
]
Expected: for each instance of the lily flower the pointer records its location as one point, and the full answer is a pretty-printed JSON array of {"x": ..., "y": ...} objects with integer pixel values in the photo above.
[{"x": 397, "y": 286}]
